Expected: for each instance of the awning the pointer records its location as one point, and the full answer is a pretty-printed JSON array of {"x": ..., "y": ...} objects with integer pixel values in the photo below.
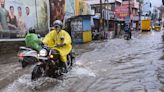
[{"x": 96, "y": 17}]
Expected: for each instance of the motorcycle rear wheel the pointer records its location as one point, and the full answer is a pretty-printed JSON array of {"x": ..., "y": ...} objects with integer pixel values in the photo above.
[{"x": 126, "y": 37}]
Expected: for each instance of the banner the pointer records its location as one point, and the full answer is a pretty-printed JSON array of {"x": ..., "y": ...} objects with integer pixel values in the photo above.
[
  {"x": 17, "y": 16},
  {"x": 57, "y": 10},
  {"x": 81, "y": 7},
  {"x": 70, "y": 9},
  {"x": 122, "y": 11}
]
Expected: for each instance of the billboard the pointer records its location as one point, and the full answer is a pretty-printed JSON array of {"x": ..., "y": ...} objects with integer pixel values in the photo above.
[
  {"x": 57, "y": 10},
  {"x": 121, "y": 11},
  {"x": 17, "y": 16},
  {"x": 70, "y": 9},
  {"x": 82, "y": 8}
]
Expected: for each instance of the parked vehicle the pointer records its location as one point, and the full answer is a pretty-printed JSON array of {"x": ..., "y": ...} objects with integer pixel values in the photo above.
[
  {"x": 157, "y": 27},
  {"x": 146, "y": 25}
]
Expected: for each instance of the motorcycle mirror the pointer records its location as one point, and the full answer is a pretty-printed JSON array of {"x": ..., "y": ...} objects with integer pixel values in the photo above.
[{"x": 39, "y": 36}]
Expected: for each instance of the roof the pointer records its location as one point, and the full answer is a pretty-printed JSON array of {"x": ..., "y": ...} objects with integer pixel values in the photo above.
[
  {"x": 96, "y": 17},
  {"x": 98, "y": 1},
  {"x": 81, "y": 16}
]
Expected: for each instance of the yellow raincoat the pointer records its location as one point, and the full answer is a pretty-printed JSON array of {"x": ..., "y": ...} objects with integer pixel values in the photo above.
[{"x": 53, "y": 38}]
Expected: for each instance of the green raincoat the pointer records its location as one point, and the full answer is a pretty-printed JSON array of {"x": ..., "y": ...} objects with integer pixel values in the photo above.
[{"x": 32, "y": 41}]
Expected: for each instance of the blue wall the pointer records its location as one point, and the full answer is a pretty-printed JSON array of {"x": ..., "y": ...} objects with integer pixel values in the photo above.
[{"x": 86, "y": 24}]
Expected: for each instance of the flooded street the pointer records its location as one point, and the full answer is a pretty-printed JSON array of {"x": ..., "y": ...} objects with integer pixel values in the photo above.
[{"x": 115, "y": 65}]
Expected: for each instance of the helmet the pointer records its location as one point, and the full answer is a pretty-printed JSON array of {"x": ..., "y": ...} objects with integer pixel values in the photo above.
[
  {"x": 58, "y": 23},
  {"x": 31, "y": 30}
]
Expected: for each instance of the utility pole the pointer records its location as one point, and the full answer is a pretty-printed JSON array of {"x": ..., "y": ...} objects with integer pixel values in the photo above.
[
  {"x": 101, "y": 15},
  {"x": 115, "y": 31},
  {"x": 129, "y": 15},
  {"x": 139, "y": 15},
  {"x": 101, "y": 19},
  {"x": 107, "y": 16}
]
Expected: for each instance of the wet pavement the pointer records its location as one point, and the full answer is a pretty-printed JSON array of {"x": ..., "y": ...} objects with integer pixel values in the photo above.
[{"x": 115, "y": 65}]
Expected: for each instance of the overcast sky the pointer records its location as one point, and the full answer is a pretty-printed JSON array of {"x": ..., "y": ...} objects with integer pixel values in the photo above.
[{"x": 156, "y": 2}]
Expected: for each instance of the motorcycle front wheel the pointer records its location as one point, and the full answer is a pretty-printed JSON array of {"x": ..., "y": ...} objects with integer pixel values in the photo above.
[{"x": 37, "y": 72}]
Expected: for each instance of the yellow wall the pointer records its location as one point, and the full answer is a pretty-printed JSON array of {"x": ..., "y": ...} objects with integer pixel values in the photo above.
[
  {"x": 77, "y": 7},
  {"x": 87, "y": 36},
  {"x": 85, "y": 7},
  {"x": 79, "y": 4}
]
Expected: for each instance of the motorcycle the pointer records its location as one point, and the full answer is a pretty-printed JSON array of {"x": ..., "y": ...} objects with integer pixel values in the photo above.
[
  {"x": 49, "y": 64},
  {"x": 126, "y": 36},
  {"x": 27, "y": 56}
]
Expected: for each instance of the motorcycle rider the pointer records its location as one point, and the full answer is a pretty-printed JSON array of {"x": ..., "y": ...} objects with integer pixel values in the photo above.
[
  {"x": 127, "y": 30},
  {"x": 32, "y": 40},
  {"x": 61, "y": 40}
]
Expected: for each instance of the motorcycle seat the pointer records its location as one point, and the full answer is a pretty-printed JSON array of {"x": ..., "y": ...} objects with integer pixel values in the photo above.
[{"x": 25, "y": 48}]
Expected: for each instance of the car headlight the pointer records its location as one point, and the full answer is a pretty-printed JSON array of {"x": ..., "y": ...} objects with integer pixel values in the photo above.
[{"x": 43, "y": 52}]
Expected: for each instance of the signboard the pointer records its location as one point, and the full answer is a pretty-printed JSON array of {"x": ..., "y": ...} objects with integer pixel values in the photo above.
[
  {"x": 17, "y": 16},
  {"x": 82, "y": 7},
  {"x": 70, "y": 9},
  {"x": 57, "y": 10},
  {"x": 127, "y": 19},
  {"x": 122, "y": 11}
]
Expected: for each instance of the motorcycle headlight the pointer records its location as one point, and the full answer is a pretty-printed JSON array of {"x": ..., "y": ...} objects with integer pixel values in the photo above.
[{"x": 43, "y": 52}]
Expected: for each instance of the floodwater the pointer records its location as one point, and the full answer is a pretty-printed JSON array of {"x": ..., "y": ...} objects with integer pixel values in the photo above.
[{"x": 115, "y": 65}]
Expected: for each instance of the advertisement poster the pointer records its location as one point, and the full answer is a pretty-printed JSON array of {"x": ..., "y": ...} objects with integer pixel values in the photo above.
[
  {"x": 122, "y": 11},
  {"x": 70, "y": 9},
  {"x": 57, "y": 10},
  {"x": 81, "y": 7},
  {"x": 17, "y": 16}
]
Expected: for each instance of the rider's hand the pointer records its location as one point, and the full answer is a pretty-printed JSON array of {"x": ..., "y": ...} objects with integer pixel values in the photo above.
[{"x": 60, "y": 45}]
